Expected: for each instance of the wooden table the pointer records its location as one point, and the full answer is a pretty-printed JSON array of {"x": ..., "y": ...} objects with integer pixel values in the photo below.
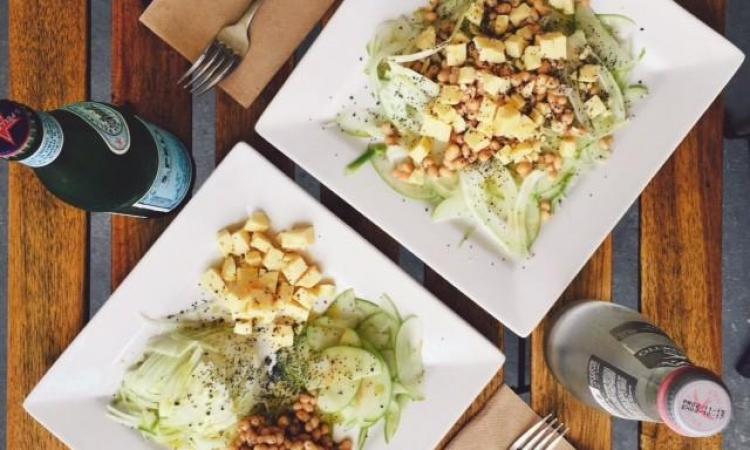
[{"x": 681, "y": 219}]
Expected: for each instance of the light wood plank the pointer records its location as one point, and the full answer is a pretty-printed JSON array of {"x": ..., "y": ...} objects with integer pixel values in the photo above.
[
  {"x": 144, "y": 75},
  {"x": 47, "y": 243},
  {"x": 589, "y": 428}
]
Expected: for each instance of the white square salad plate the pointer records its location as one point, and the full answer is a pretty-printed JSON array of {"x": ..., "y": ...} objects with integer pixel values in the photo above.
[
  {"x": 72, "y": 397},
  {"x": 686, "y": 65}
]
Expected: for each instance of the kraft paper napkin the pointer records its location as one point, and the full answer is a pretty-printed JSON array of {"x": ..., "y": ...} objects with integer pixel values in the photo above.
[
  {"x": 189, "y": 26},
  {"x": 502, "y": 420}
]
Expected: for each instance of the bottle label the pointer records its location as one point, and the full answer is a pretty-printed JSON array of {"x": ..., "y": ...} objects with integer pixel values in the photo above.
[
  {"x": 107, "y": 121},
  {"x": 661, "y": 355},
  {"x": 173, "y": 175},
  {"x": 650, "y": 345},
  {"x": 614, "y": 390},
  {"x": 630, "y": 328},
  {"x": 51, "y": 145}
]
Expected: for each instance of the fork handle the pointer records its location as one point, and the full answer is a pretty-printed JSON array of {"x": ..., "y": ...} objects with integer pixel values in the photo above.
[{"x": 249, "y": 15}]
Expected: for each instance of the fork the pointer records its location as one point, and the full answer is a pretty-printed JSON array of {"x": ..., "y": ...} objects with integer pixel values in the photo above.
[
  {"x": 223, "y": 55},
  {"x": 544, "y": 435}
]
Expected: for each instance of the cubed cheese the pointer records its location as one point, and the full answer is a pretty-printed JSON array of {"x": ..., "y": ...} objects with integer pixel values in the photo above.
[
  {"x": 433, "y": 127},
  {"x": 537, "y": 116},
  {"x": 416, "y": 177},
  {"x": 427, "y": 39},
  {"x": 567, "y": 147},
  {"x": 259, "y": 306},
  {"x": 487, "y": 111},
  {"x": 554, "y": 45},
  {"x": 421, "y": 149},
  {"x": 459, "y": 125},
  {"x": 444, "y": 113},
  {"x": 589, "y": 73},
  {"x": 293, "y": 310},
  {"x": 514, "y": 46},
  {"x": 304, "y": 297},
  {"x": 295, "y": 268},
  {"x": 253, "y": 258},
  {"x": 297, "y": 239},
  {"x": 522, "y": 150},
  {"x": 246, "y": 275},
  {"x": 240, "y": 242},
  {"x": 504, "y": 155},
  {"x": 324, "y": 291},
  {"x": 525, "y": 33},
  {"x": 283, "y": 335},
  {"x": 467, "y": 75},
  {"x": 501, "y": 24},
  {"x": 490, "y": 50},
  {"x": 269, "y": 281},
  {"x": 311, "y": 277},
  {"x": 229, "y": 269},
  {"x": 506, "y": 120},
  {"x": 476, "y": 140},
  {"x": 595, "y": 107},
  {"x": 520, "y": 13},
  {"x": 475, "y": 13},
  {"x": 518, "y": 101},
  {"x": 450, "y": 95},
  {"x": 212, "y": 282},
  {"x": 455, "y": 55},
  {"x": 526, "y": 128},
  {"x": 284, "y": 292},
  {"x": 258, "y": 221},
  {"x": 532, "y": 57},
  {"x": 274, "y": 259},
  {"x": 224, "y": 239},
  {"x": 494, "y": 85},
  {"x": 566, "y": 6},
  {"x": 244, "y": 328},
  {"x": 261, "y": 241}
]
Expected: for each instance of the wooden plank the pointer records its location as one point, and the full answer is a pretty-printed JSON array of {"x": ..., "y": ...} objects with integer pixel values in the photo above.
[
  {"x": 144, "y": 75},
  {"x": 681, "y": 246},
  {"x": 589, "y": 428},
  {"x": 47, "y": 242}
]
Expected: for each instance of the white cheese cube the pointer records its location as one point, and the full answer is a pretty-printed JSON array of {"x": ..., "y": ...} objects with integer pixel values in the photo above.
[
  {"x": 253, "y": 258},
  {"x": 269, "y": 281},
  {"x": 475, "y": 13},
  {"x": 450, "y": 95},
  {"x": 522, "y": 150},
  {"x": 243, "y": 328},
  {"x": 501, "y": 24},
  {"x": 444, "y": 112},
  {"x": 532, "y": 57},
  {"x": 258, "y": 221},
  {"x": 459, "y": 125},
  {"x": 467, "y": 75},
  {"x": 284, "y": 292},
  {"x": 427, "y": 39},
  {"x": 246, "y": 276},
  {"x": 568, "y": 147},
  {"x": 525, "y": 33},
  {"x": 240, "y": 242},
  {"x": 518, "y": 101},
  {"x": 283, "y": 335},
  {"x": 455, "y": 55},
  {"x": 324, "y": 290},
  {"x": 595, "y": 107},
  {"x": 476, "y": 140},
  {"x": 514, "y": 46},
  {"x": 487, "y": 111},
  {"x": 520, "y": 13},
  {"x": 293, "y": 311},
  {"x": 494, "y": 85},
  {"x": 297, "y": 239},
  {"x": 504, "y": 155},
  {"x": 274, "y": 259},
  {"x": 433, "y": 127},
  {"x": 310, "y": 278},
  {"x": 304, "y": 297},
  {"x": 566, "y": 6},
  {"x": 490, "y": 50},
  {"x": 261, "y": 241},
  {"x": 212, "y": 282},
  {"x": 554, "y": 45},
  {"x": 229, "y": 269},
  {"x": 421, "y": 149},
  {"x": 224, "y": 239},
  {"x": 506, "y": 120},
  {"x": 295, "y": 268},
  {"x": 589, "y": 73}
]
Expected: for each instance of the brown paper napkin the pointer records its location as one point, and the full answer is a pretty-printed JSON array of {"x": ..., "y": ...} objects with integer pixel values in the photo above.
[
  {"x": 502, "y": 420},
  {"x": 279, "y": 28}
]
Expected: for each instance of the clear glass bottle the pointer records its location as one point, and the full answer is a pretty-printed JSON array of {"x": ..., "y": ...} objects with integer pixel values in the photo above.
[
  {"x": 99, "y": 157},
  {"x": 613, "y": 359}
]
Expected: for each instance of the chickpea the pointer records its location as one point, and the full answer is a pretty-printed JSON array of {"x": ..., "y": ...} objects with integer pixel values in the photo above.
[
  {"x": 389, "y": 140},
  {"x": 304, "y": 416},
  {"x": 523, "y": 168},
  {"x": 430, "y": 16},
  {"x": 473, "y": 105},
  {"x": 444, "y": 75},
  {"x": 545, "y": 216},
  {"x": 503, "y": 8},
  {"x": 485, "y": 155},
  {"x": 433, "y": 172},
  {"x": 453, "y": 77},
  {"x": 545, "y": 206}
]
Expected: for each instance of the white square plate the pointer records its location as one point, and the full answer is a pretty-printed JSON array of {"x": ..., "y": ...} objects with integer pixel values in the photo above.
[
  {"x": 71, "y": 399},
  {"x": 686, "y": 66}
]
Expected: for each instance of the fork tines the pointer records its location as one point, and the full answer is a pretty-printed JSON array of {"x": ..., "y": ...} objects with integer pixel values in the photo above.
[
  {"x": 210, "y": 68},
  {"x": 544, "y": 435}
]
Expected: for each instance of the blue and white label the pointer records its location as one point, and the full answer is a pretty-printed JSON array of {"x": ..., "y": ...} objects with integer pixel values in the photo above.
[
  {"x": 51, "y": 145},
  {"x": 174, "y": 174},
  {"x": 107, "y": 121}
]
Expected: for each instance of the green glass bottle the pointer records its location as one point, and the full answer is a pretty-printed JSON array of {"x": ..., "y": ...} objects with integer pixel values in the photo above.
[{"x": 98, "y": 157}]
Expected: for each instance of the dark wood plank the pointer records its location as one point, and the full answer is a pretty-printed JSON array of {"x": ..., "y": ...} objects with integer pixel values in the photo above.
[
  {"x": 681, "y": 246},
  {"x": 144, "y": 72},
  {"x": 589, "y": 428},
  {"x": 48, "y": 241}
]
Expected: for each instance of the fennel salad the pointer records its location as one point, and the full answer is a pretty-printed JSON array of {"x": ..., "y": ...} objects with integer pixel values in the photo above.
[
  {"x": 276, "y": 358},
  {"x": 490, "y": 110}
]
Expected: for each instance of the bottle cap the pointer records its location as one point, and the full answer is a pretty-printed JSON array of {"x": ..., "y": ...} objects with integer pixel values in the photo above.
[
  {"x": 17, "y": 128},
  {"x": 694, "y": 402}
]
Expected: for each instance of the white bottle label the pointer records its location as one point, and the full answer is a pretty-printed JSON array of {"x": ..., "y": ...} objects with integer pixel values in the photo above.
[
  {"x": 107, "y": 121},
  {"x": 174, "y": 173},
  {"x": 614, "y": 390},
  {"x": 51, "y": 145}
]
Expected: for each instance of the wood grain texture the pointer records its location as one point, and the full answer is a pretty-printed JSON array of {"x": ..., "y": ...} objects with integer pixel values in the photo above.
[
  {"x": 144, "y": 75},
  {"x": 589, "y": 428},
  {"x": 681, "y": 247},
  {"x": 48, "y": 240}
]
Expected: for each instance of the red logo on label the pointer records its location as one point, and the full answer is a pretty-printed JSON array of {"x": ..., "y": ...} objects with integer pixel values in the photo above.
[{"x": 6, "y": 124}]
